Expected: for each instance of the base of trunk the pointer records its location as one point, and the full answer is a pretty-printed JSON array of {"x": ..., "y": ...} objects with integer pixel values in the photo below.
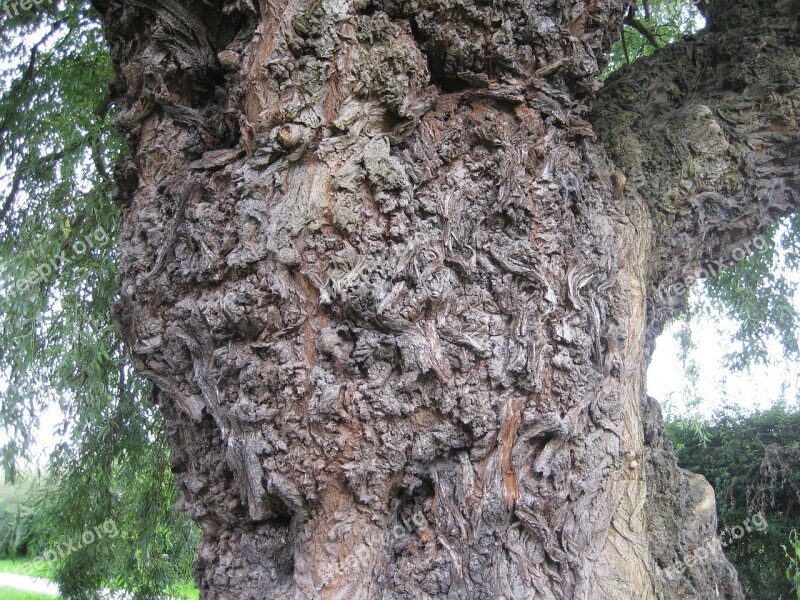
[{"x": 454, "y": 535}]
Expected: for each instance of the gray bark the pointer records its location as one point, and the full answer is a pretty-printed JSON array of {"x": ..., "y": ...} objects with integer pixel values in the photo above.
[
  {"x": 706, "y": 135},
  {"x": 396, "y": 296}
]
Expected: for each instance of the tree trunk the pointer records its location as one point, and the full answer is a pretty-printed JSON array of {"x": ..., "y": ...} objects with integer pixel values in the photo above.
[{"x": 397, "y": 299}]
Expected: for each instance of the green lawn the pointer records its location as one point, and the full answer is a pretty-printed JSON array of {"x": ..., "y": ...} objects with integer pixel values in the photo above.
[
  {"x": 12, "y": 594},
  {"x": 24, "y": 567},
  {"x": 187, "y": 590}
]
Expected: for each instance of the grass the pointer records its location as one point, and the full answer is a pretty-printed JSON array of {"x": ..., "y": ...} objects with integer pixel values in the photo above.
[
  {"x": 7, "y": 593},
  {"x": 24, "y": 567},
  {"x": 185, "y": 589}
]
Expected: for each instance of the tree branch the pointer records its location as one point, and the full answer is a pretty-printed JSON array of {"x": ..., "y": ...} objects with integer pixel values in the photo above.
[
  {"x": 706, "y": 133},
  {"x": 630, "y": 21},
  {"x": 97, "y": 156},
  {"x": 31, "y": 166},
  {"x": 19, "y": 86},
  {"x": 625, "y": 48}
]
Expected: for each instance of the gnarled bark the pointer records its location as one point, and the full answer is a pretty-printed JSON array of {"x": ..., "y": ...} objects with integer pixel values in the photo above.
[
  {"x": 395, "y": 298},
  {"x": 706, "y": 132}
]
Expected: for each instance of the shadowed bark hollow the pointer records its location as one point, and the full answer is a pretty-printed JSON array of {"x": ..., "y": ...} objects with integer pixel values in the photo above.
[{"x": 395, "y": 269}]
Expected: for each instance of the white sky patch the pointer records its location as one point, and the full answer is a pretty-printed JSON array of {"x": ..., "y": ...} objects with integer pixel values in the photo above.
[{"x": 756, "y": 389}]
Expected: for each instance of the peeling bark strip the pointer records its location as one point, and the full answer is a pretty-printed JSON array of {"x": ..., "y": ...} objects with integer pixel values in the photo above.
[{"x": 379, "y": 268}]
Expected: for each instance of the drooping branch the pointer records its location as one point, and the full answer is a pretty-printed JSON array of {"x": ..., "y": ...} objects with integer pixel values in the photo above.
[
  {"x": 29, "y": 165},
  {"x": 706, "y": 133},
  {"x": 625, "y": 49}
]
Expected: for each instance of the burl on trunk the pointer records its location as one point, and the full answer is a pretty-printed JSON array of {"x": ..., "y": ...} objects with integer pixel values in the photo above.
[{"x": 395, "y": 269}]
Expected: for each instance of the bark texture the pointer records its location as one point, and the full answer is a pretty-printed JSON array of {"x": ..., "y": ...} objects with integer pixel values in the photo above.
[
  {"x": 706, "y": 135},
  {"x": 396, "y": 296}
]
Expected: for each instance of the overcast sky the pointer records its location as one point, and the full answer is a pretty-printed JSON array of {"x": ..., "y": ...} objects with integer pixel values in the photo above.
[{"x": 759, "y": 388}]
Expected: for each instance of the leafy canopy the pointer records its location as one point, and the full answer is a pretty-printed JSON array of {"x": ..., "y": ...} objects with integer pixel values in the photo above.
[{"x": 753, "y": 462}]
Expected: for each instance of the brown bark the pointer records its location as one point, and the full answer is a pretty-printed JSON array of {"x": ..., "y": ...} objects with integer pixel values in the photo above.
[{"x": 395, "y": 296}]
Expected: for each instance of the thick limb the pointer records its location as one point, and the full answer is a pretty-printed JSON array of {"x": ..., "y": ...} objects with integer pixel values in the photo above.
[{"x": 705, "y": 133}]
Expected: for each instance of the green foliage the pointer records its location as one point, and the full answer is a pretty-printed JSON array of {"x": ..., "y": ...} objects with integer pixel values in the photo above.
[
  {"x": 759, "y": 294},
  {"x": 59, "y": 350},
  {"x": 753, "y": 462},
  {"x": 651, "y": 26},
  {"x": 16, "y": 520},
  {"x": 57, "y": 343},
  {"x": 152, "y": 546},
  {"x": 793, "y": 556}
]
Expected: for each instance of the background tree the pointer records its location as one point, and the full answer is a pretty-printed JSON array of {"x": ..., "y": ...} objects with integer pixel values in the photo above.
[
  {"x": 793, "y": 556},
  {"x": 753, "y": 462}
]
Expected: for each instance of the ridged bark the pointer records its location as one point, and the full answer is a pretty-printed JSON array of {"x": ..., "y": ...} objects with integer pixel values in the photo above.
[{"x": 396, "y": 296}]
